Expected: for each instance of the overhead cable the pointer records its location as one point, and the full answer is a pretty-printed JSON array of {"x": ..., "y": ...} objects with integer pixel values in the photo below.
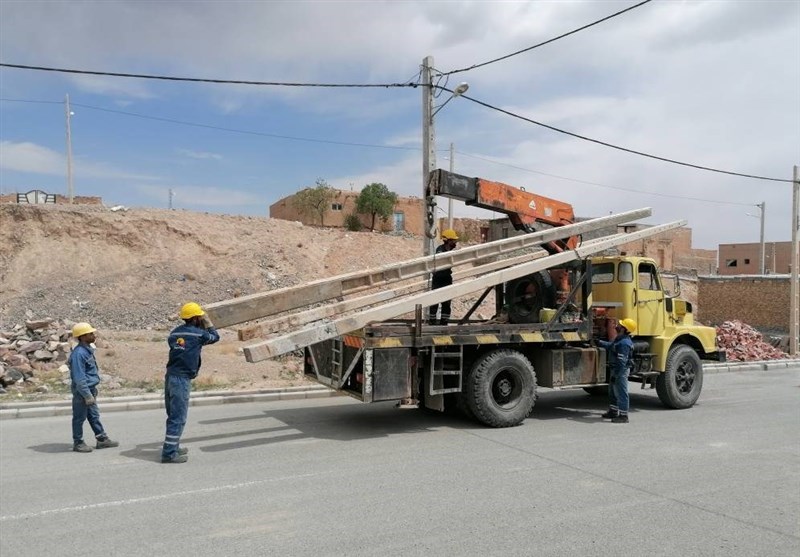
[
  {"x": 548, "y": 41},
  {"x": 219, "y": 128},
  {"x": 208, "y": 80},
  {"x": 587, "y": 182},
  {"x": 620, "y": 148}
]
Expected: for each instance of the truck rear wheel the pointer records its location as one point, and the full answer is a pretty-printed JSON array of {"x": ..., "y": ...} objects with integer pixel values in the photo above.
[
  {"x": 680, "y": 385},
  {"x": 501, "y": 388}
]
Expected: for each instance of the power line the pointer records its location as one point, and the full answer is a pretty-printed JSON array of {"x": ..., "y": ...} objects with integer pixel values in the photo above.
[
  {"x": 219, "y": 128},
  {"x": 620, "y": 148},
  {"x": 548, "y": 41},
  {"x": 208, "y": 80},
  {"x": 576, "y": 180}
]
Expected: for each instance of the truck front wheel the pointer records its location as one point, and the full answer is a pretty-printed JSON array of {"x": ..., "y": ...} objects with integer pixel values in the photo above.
[
  {"x": 501, "y": 388},
  {"x": 680, "y": 385}
]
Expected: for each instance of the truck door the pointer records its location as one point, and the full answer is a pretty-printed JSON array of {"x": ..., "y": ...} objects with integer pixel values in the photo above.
[{"x": 649, "y": 297}]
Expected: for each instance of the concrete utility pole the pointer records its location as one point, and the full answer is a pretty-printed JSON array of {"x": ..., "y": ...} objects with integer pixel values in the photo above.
[
  {"x": 794, "y": 295},
  {"x": 68, "y": 114},
  {"x": 428, "y": 156},
  {"x": 762, "y": 206},
  {"x": 171, "y": 195},
  {"x": 449, "y": 200}
]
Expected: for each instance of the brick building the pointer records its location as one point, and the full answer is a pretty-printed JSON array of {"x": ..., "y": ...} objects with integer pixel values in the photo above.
[
  {"x": 408, "y": 213},
  {"x": 759, "y": 301},
  {"x": 745, "y": 259}
]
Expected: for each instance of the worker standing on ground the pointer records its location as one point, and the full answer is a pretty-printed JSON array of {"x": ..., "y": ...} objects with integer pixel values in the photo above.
[
  {"x": 620, "y": 354},
  {"x": 85, "y": 377},
  {"x": 443, "y": 278},
  {"x": 185, "y": 343}
]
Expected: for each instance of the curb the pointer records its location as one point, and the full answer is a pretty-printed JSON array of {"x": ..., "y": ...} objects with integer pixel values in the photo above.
[
  {"x": 41, "y": 409},
  {"x": 761, "y": 365}
]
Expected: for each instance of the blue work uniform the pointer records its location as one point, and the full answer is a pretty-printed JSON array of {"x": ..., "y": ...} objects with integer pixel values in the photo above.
[
  {"x": 185, "y": 343},
  {"x": 85, "y": 377},
  {"x": 440, "y": 279},
  {"x": 620, "y": 354}
]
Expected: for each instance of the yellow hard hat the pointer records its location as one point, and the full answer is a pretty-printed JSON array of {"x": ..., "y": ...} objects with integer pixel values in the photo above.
[
  {"x": 191, "y": 309},
  {"x": 80, "y": 329},
  {"x": 629, "y": 324},
  {"x": 449, "y": 234}
]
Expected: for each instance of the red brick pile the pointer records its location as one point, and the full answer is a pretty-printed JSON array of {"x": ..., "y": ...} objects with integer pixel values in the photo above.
[{"x": 743, "y": 343}]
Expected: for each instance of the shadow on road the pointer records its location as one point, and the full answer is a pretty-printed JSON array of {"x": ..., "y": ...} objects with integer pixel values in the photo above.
[
  {"x": 345, "y": 420},
  {"x": 52, "y": 448}
]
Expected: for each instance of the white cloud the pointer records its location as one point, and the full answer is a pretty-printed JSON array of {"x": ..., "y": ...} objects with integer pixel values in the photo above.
[
  {"x": 199, "y": 155},
  {"x": 37, "y": 159}
]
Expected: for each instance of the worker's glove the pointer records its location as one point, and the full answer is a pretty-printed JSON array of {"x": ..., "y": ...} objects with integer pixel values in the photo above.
[
  {"x": 207, "y": 322},
  {"x": 90, "y": 400}
]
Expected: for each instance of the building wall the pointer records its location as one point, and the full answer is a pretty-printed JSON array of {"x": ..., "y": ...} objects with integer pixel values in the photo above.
[
  {"x": 745, "y": 259},
  {"x": 762, "y": 301},
  {"x": 60, "y": 199},
  {"x": 344, "y": 204}
]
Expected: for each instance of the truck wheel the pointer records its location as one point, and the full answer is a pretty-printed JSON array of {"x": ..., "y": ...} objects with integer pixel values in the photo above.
[
  {"x": 501, "y": 388},
  {"x": 527, "y": 295},
  {"x": 680, "y": 385}
]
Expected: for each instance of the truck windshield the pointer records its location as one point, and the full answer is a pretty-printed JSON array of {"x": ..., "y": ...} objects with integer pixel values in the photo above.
[{"x": 602, "y": 273}]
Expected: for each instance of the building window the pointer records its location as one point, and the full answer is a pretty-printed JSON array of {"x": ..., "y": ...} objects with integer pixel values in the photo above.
[
  {"x": 731, "y": 263},
  {"x": 747, "y": 262},
  {"x": 336, "y": 206}
]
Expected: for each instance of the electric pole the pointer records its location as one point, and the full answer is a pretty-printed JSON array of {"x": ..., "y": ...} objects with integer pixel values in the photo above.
[
  {"x": 428, "y": 157},
  {"x": 794, "y": 295},
  {"x": 68, "y": 114},
  {"x": 450, "y": 200},
  {"x": 762, "y": 206}
]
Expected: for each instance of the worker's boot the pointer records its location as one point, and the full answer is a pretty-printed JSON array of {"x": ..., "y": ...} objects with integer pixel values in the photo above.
[
  {"x": 610, "y": 415},
  {"x": 621, "y": 419},
  {"x": 81, "y": 448},
  {"x": 106, "y": 443},
  {"x": 177, "y": 459},
  {"x": 183, "y": 450}
]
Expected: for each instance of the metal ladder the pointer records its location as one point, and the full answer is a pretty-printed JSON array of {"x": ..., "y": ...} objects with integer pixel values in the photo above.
[
  {"x": 337, "y": 361},
  {"x": 445, "y": 370}
]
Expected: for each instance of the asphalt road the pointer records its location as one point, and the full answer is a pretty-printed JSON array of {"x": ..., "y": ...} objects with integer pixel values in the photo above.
[{"x": 337, "y": 477}]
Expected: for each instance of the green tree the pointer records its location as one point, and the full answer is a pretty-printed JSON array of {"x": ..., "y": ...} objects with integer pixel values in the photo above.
[
  {"x": 316, "y": 201},
  {"x": 377, "y": 201}
]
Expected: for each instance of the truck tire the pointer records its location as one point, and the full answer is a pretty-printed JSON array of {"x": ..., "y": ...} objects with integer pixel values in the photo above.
[
  {"x": 501, "y": 388},
  {"x": 680, "y": 385},
  {"x": 529, "y": 294}
]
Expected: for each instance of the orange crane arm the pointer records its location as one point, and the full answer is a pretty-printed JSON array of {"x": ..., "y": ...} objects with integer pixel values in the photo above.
[{"x": 524, "y": 209}]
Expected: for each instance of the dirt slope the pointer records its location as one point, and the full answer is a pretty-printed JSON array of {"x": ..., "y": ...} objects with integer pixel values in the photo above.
[{"x": 127, "y": 272}]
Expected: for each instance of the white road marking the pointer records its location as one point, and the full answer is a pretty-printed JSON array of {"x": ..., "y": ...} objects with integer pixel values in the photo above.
[{"x": 125, "y": 502}]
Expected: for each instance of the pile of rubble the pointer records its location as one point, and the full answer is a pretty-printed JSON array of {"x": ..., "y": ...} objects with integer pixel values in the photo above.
[
  {"x": 38, "y": 346},
  {"x": 743, "y": 343}
]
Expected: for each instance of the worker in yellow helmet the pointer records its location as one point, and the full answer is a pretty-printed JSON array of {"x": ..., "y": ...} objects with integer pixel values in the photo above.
[
  {"x": 85, "y": 376},
  {"x": 620, "y": 360},
  {"x": 442, "y": 278},
  {"x": 185, "y": 343}
]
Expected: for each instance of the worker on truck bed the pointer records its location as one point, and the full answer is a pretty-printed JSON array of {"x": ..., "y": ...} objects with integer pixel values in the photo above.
[
  {"x": 620, "y": 354},
  {"x": 443, "y": 278}
]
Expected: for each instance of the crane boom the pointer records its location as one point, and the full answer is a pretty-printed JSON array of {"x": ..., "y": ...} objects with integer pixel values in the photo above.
[{"x": 524, "y": 209}]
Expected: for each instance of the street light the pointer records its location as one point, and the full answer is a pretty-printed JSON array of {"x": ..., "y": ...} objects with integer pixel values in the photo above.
[
  {"x": 429, "y": 148},
  {"x": 762, "y": 206}
]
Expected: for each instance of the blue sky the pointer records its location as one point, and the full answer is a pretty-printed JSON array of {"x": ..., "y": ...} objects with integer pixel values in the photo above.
[{"x": 710, "y": 83}]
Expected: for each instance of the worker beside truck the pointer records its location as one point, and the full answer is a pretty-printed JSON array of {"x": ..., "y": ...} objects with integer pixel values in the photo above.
[{"x": 620, "y": 361}]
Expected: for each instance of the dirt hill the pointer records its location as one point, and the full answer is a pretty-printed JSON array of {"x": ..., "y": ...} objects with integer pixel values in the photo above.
[{"x": 127, "y": 272}]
